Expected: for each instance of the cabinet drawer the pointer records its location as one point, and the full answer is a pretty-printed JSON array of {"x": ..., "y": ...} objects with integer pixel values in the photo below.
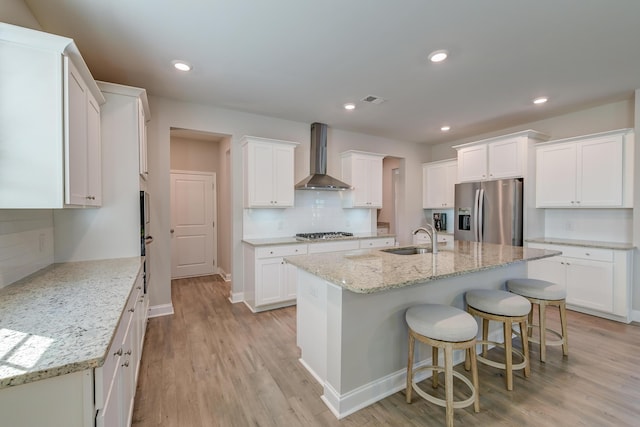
[
  {"x": 377, "y": 243},
  {"x": 595, "y": 254},
  {"x": 345, "y": 245},
  {"x": 280, "y": 251}
]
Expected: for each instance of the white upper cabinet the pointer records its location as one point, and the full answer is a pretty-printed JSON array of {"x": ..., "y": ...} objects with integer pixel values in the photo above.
[
  {"x": 496, "y": 158},
  {"x": 268, "y": 172},
  {"x": 50, "y": 124},
  {"x": 143, "y": 118},
  {"x": 363, "y": 171},
  {"x": 438, "y": 184},
  {"x": 83, "y": 171},
  {"x": 472, "y": 163},
  {"x": 126, "y": 114},
  {"x": 586, "y": 172}
]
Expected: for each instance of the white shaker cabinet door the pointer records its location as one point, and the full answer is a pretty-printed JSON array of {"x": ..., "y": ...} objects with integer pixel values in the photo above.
[
  {"x": 269, "y": 281},
  {"x": 599, "y": 173},
  {"x": 556, "y": 176},
  {"x": 283, "y": 175},
  {"x": 590, "y": 284},
  {"x": 76, "y": 149},
  {"x": 506, "y": 158},
  {"x": 472, "y": 163}
]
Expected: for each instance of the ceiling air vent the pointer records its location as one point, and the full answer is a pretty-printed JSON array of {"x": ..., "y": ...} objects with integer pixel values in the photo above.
[{"x": 372, "y": 99}]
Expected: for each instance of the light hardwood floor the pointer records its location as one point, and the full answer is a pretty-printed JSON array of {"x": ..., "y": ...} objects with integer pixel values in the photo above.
[{"x": 214, "y": 363}]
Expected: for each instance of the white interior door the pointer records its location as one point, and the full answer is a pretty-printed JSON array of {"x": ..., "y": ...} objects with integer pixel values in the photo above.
[{"x": 193, "y": 246}]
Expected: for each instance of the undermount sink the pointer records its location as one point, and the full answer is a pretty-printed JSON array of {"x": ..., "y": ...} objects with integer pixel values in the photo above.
[{"x": 408, "y": 250}]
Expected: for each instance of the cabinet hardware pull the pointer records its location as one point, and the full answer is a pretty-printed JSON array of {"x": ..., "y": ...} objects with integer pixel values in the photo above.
[
  {"x": 132, "y": 310},
  {"x": 125, "y": 364},
  {"x": 118, "y": 353},
  {"x": 128, "y": 353}
]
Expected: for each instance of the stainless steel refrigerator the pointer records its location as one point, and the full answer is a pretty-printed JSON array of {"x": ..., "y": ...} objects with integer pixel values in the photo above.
[{"x": 489, "y": 211}]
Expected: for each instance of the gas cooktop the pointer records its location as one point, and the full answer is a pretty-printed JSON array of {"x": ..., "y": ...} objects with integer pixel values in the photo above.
[{"x": 329, "y": 235}]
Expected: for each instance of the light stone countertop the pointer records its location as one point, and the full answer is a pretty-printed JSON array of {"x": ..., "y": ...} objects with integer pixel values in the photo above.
[
  {"x": 272, "y": 241},
  {"x": 370, "y": 270},
  {"x": 582, "y": 243},
  {"x": 62, "y": 318}
]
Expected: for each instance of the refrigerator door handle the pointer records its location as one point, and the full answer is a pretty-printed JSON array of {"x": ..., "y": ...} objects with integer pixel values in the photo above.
[
  {"x": 480, "y": 210},
  {"x": 476, "y": 234}
]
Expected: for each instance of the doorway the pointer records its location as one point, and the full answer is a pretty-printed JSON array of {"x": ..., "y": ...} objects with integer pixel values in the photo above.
[
  {"x": 391, "y": 187},
  {"x": 200, "y": 204}
]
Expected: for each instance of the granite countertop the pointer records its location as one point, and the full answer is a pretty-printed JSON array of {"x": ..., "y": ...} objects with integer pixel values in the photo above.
[
  {"x": 370, "y": 270},
  {"x": 582, "y": 243},
  {"x": 271, "y": 241},
  {"x": 62, "y": 318}
]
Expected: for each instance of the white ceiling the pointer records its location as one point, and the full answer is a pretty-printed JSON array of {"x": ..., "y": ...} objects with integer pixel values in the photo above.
[{"x": 303, "y": 59}]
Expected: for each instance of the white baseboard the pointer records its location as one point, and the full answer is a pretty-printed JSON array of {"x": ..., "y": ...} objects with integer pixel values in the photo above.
[
  {"x": 225, "y": 276},
  {"x": 237, "y": 297},
  {"x": 161, "y": 310},
  {"x": 342, "y": 405}
]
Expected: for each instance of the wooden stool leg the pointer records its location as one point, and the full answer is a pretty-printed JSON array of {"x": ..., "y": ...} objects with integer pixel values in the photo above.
[
  {"x": 508, "y": 354},
  {"x": 467, "y": 359},
  {"x": 474, "y": 377},
  {"x": 410, "y": 368},
  {"x": 543, "y": 331},
  {"x": 434, "y": 362},
  {"x": 485, "y": 334},
  {"x": 525, "y": 351},
  {"x": 448, "y": 383},
  {"x": 530, "y": 331},
  {"x": 563, "y": 322}
]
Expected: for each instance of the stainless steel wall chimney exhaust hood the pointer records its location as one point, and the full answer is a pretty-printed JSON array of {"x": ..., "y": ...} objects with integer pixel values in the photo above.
[{"x": 319, "y": 180}]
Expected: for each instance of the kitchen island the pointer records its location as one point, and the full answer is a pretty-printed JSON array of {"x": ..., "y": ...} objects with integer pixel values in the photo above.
[{"x": 350, "y": 310}]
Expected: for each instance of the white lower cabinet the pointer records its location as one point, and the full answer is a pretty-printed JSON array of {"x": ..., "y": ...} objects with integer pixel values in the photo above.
[
  {"x": 116, "y": 379},
  {"x": 272, "y": 283},
  {"x": 269, "y": 281},
  {"x": 597, "y": 281},
  {"x": 101, "y": 397},
  {"x": 380, "y": 242}
]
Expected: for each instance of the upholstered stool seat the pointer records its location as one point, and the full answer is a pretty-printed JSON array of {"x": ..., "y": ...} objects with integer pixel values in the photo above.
[
  {"x": 449, "y": 328},
  {"x": 543, "y": 294},
  {"x": 507, "y": 308}
]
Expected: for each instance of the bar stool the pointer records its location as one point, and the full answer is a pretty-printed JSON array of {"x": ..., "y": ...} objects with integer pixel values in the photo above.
[
  {"x": 507, "y": 308},
  {"x": 449, "y": 328},
  {"x": 543, "y": 294}
]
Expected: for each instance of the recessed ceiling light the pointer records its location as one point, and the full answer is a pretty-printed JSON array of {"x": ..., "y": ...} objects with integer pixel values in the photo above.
[
  {"x": 540, "y": 100},
  {"x": 182, "y": 66},
  {"x": 438, "y": 55},
  {"x": 445, "y": 128},
  {"x": 349, "y": 106}
]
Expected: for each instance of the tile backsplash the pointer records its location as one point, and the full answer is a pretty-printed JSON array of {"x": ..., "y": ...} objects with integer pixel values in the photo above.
[
  {"x": 606, "y": 225},
  {"x": 314, "y": 211},
  {"x": 26, "y": 243}
]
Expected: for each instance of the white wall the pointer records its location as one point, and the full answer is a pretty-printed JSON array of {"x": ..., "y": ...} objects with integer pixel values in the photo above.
[
  {"x": 636, "y": 210},
  {"x": 168, "y": 113},
  {"x": 224, "y": 208}
]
